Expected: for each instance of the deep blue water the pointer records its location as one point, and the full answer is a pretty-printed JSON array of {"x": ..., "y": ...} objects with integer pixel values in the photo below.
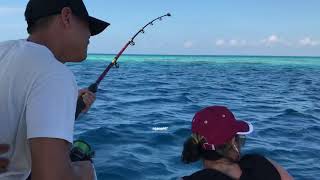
[{"x": 279, "y": 95}]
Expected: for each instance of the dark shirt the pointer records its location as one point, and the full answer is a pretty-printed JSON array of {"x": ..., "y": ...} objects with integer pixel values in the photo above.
[{"x": 253, "y": 167}]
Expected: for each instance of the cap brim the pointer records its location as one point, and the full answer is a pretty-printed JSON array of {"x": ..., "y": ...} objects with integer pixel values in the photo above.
[
  {"x": 244, "y": 128},
  {"x": 97, "y": 26}
]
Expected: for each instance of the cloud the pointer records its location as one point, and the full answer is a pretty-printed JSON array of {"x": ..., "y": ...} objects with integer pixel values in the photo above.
[
  {"x": 307, "y": 41},
  {"x": 276, "y": 40},
  {"x": 220, "y": 42},
  {"x": 231, "y": 42},
  {"x": 5, "y": 11},
  {"x": 272, "y": 39},
  {"x": 188, "y": 44}
]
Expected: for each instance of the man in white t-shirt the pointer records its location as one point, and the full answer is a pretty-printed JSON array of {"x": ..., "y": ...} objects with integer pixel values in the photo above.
[{"x": 38, "y": 93}]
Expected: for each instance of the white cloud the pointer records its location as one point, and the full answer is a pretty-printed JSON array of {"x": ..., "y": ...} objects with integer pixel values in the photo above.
[
  {"x": 188, "y": 44},
  {"x": 268, "y": 41},
  {"x": 272, "y": 39},
  {"x": 307, "y": 41},
  {"x": 233, "y": 42},
  {"x": 220, "y": 42},
  {"x": 5, "y": 11}
]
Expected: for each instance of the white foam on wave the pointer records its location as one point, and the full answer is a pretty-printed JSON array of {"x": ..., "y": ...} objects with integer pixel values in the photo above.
[{"x": 159, "y": 128}]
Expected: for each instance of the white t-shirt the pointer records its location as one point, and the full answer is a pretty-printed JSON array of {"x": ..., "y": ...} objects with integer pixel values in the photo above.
[{"x": 38, "y": 97}]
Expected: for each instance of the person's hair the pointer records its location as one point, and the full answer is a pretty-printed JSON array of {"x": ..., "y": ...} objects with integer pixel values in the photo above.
[
  {"x": 193, "y": 150},
  {"x": 40, "y": 24}
]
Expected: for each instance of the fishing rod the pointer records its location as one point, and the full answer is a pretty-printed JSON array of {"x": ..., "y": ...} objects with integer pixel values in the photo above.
[{"x": 94, "y": 87}]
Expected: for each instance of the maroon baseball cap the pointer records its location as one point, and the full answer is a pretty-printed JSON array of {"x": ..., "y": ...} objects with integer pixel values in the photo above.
[{"x": 218, "y": 125}]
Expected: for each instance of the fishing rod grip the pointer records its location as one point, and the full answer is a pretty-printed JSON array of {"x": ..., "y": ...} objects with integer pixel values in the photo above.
[{"x": 80, "y": 103}]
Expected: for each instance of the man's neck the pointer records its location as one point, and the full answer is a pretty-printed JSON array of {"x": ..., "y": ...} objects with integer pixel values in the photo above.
[{"x": 46, "y": 40}]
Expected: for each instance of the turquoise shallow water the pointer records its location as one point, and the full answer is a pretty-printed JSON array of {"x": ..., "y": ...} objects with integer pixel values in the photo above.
[{"x": 279, "y": 95}]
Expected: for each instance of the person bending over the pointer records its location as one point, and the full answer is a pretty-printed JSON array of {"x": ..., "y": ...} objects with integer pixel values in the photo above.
[{"x": 216, "y": 140}]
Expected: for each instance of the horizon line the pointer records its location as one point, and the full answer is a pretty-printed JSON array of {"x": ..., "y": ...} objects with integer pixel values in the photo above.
[{"x": 216, "y": 55}]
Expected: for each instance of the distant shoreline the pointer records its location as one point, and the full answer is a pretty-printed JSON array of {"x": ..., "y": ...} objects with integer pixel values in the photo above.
[{"x": 181, "y": 55}]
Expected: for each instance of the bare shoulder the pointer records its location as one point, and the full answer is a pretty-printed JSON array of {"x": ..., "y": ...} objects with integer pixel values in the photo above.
[{"x": 283, "y": 173}]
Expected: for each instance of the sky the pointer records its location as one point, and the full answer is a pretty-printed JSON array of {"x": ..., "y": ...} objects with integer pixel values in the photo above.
[{"x": 203, "y": 27}]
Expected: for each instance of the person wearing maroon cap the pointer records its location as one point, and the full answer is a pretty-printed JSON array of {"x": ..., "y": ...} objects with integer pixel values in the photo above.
[
  {"x": 38, "y": 92},
  {"x": 217, "y": 138}
]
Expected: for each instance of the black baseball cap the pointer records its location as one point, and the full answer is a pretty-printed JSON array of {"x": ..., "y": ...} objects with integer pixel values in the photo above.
[{"x": 37, "y": 9}]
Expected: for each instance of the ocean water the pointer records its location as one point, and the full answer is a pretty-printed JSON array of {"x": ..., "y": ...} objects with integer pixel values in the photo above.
[{"x": 144, "y": 109}]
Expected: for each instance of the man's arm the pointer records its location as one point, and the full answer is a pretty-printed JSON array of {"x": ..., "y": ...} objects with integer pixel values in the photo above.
[
  {"x": 51, "y": 161},
  {"x": 3, "y": 162}
]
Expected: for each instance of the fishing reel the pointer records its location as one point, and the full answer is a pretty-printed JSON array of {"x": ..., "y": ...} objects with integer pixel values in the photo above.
[
  {"x": 81, "y": 151},
  {"x": 132, "y": 43},
  {"x": 116, "y": 65}
]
